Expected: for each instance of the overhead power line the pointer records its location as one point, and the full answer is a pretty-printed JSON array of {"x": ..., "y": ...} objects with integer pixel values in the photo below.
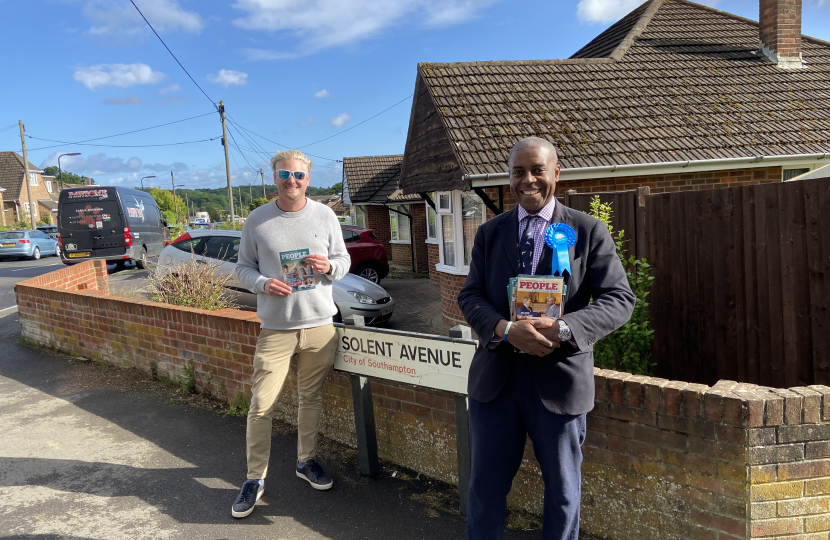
[
  {"x": 356, "y": 125},
  {"x": 171, "y": 54},
  {"x": 274, "y": 142},
  {"x": 120, "y": 134},
  {"x": 116, "y": 145}
]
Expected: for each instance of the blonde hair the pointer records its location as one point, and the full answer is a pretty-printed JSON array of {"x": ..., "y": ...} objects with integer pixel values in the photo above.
[{"x": 289, "y": 154}]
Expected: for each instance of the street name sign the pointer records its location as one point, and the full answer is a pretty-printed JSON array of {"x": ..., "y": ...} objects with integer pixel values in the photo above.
[{"x": 426, "y": 360}]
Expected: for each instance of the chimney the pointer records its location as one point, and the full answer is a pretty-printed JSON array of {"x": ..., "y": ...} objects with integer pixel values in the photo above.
[{"x": 780, "y": 32}]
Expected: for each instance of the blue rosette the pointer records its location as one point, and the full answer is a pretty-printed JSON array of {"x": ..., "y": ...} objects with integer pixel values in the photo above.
[{"x": 559, "y": 237}]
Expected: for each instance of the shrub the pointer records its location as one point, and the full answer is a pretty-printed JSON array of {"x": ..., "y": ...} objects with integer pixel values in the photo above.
[
  {"x": 629, "y": 347},
  {"x": 227, "y": 226},
  {"x": 191, "y": 284}
]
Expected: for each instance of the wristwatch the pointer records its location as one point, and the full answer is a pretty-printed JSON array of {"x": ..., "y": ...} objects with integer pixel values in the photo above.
[{"x": 564, "y": 331}]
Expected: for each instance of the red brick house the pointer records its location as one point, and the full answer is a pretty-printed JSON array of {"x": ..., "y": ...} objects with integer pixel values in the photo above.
[
  {"x": 15, "y": 198},
  {"x": 370, "y": 188},
  {"x": 674, "y": 96}
]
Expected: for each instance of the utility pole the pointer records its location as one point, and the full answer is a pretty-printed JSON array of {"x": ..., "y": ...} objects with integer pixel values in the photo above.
[
  {"x": 240, "y": 201},
  {"x": 175, "y": 202},
  {"x": 227, "y": 158},
  {"x": 32, "y": 207},
  {"x": 262, "y": 175},
  {"x": 186, "y": 207}
]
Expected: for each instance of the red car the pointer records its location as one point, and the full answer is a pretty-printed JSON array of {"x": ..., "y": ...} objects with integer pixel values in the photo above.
[{"x": 368, "y": 255}]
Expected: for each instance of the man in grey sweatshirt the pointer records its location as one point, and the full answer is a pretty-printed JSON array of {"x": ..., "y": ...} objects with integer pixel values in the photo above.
[{"x": 296, "y": 315}]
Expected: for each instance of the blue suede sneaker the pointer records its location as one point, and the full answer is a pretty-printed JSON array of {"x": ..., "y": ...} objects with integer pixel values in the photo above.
[
  {"x": 312, "y": 472},
  {"x": 251, "y": 492}
]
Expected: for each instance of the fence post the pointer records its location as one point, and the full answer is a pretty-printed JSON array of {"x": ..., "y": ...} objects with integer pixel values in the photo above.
[
  {"x": 640, "y": 222},
  {"x": 364, "y": 420},
  {"x": 566, "y": 198},
  {"x": 462, "y": 432}
]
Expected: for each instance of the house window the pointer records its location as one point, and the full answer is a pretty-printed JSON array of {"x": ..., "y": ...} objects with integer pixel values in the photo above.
[
  {"x": 399, "y": 224},
  {"x": 358, "y": 217},
  {"x": 789, "y": 174},
  {"x": 447, "y": 240},
  {"x": 472, "y": 216},
  {"x": 32, "y": 179},
  {"x": 432, "y": 229},
  {"x": 26, "y": 208},
  {"x": 48, "y": 184},
  {"x": 457, "y": 230}
]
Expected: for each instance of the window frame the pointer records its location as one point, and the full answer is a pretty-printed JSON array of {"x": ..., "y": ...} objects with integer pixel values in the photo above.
[
  {"x": 434, "y": 238},
  {"x": 32, "y": 178},
  {"x": 48, "y": 184},
  {"x": 459, "y": 268},
  {"x": 395, "y": 223}
]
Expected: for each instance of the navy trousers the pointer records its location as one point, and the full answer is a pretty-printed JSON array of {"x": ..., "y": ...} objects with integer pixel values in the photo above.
[{"x": 498, "y": 432}]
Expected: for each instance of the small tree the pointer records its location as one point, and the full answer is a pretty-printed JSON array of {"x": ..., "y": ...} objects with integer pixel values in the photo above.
[
  {"x": 629, "y": 347},
  {"x": 256, "y": 203}
]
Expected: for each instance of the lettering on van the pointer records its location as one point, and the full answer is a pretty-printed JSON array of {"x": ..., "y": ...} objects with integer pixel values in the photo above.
[
  {"x": 136, "y": 211},
  {"x": 88, "y": 215},
  {"x": 89, "y": 193}
]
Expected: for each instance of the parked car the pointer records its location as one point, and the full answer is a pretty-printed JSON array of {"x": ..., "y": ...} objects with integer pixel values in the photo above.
[
  {"x": 202, "y": 225},
  {"x": 352, "y": 294},
  {"x": 112, "y": 223},
  {"x": 31, "y": 244},
  {"x": 368, "y": 254},
  {"x": 50, "y": 230}
]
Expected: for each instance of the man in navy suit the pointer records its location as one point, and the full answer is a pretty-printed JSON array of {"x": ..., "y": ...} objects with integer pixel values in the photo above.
[{"x": 537, "y": 380}]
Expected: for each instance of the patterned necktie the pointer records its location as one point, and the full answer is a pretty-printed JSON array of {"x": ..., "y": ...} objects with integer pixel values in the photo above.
[{"x": 526, "y": 248}]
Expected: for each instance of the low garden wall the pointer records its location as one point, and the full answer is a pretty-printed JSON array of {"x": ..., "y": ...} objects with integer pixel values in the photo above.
[{"x": 663, "y": 459}]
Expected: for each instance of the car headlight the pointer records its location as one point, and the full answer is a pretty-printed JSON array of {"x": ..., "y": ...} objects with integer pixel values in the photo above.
[{"x": 362, "y": 298}]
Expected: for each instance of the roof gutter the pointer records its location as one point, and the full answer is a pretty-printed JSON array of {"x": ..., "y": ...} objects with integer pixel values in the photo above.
[{"x": 669, "y": 167}]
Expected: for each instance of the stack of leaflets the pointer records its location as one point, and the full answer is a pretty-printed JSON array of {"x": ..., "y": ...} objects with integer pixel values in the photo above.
[
  {"x": 532, "y": 297},
  {"x": 298, "y": 271}
]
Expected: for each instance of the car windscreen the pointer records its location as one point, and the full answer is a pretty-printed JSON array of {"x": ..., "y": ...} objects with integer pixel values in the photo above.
[
  {"x": 12, "y": 235},
  {"x": 80, "y": 216}
]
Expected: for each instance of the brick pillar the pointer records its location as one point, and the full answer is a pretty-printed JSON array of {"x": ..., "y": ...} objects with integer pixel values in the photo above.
[{"x": 780, "y": 31}]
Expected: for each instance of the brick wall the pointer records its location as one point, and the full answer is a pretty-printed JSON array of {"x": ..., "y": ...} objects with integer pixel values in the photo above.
[
  {"x": 377, "y": 219},
  {"x": 433, "y": 258},
  {"x": 419, "y": 235},
  {"x": 662, "y": 459},
  {"x": 402, "y": 256},
  {"x": 676, "y": 182},
  {"x": 450, "y": 287}
]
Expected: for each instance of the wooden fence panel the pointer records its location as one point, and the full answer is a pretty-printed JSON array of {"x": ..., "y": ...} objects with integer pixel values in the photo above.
[
  {"x": 742, "y": 283},
  {"x": 623, "y": 216}
]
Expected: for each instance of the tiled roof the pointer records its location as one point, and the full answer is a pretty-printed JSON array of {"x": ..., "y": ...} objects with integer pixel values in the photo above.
[
  {"x": 49, "y": 203},
  {"x": 672, "y": 81},
  {"x": 398, "y": 197},
  {"x": 371, "y": 179},
  {"x": 11, "y": 174}
]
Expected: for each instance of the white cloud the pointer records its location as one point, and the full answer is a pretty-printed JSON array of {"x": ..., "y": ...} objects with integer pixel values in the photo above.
[
  {"x": 132, "y": 100},
  {"x": 118, "y": 17},
  {"x": 307, "y": 121},
  {"x": 604, "y": 11},
  {"x": 170, "y": 88},
  {"x": 340, "y": 119},
  {"x": 121, "y": 75},
  {"x": 322, "y": 93},
  {"x": 322, "y": 24},
  {"x": 101, "y": 164},
  {"x": 228, "y": 77}
]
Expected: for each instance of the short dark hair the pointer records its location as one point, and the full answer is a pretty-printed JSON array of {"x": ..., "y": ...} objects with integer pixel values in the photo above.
[{"x": 532, "y": 142}]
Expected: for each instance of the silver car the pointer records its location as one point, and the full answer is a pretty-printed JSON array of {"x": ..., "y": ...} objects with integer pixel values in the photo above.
[
  {"x": 30, "y": 244},
  {"x": 352, "y": 294}
]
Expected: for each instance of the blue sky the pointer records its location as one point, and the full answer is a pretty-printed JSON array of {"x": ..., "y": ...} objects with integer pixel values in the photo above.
[{"x": 294, "y": 72}]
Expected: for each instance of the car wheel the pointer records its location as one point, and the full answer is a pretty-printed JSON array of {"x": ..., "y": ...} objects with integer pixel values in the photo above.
[
  {"x": 141, "y": 263},
  {"x": 36, "y": 254},
  {"x": 370, "y": 272},
  {"x": 57, "y": 251}
]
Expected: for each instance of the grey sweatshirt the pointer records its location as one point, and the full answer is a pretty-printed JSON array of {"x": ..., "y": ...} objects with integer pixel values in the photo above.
[{"x": 267, "y": 232}]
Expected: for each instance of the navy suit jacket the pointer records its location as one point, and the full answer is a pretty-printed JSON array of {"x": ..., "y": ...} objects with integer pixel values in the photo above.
[{"x": 564, "y": 378}]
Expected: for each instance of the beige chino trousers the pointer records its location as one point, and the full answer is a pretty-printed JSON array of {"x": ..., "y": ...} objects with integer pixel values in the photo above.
[{"x": 315, "y": 349}]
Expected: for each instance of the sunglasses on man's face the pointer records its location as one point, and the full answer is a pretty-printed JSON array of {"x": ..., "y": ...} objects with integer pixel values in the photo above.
[{"x": 285, "y": 175}]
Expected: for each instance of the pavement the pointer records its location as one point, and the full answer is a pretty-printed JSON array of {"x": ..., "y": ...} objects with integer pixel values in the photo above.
[{"x": 95, "y": 452}]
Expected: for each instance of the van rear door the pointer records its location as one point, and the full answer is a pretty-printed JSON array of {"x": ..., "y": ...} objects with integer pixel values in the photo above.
[{"x": 91, "y": 223}]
